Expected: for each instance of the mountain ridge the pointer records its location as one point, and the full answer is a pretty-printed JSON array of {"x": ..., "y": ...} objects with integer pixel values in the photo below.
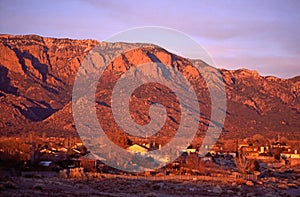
[
  {"x": 42, "y": 38},
  {"x": 37, "y": 76}
]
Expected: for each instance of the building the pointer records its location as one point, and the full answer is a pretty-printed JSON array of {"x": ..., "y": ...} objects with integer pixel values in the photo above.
[
  {"x": 138, "y": 149},
  {"x": 290, "y": 154}
]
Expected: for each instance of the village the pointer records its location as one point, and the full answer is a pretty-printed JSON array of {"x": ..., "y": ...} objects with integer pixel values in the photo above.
[
  {"x": 67, "y": 153},
  {"x": 275, "y": 163}
]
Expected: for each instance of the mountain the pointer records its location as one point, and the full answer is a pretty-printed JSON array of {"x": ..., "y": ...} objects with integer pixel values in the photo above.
[{"x": 37, "y": 76}]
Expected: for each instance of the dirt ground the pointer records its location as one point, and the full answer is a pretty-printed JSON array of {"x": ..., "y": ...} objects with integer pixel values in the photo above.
[{"x": 20, "y": 186}]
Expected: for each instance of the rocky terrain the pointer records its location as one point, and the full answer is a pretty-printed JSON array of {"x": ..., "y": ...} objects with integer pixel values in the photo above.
[
  {"x": 37, "y": 76},
  {"x": 130, "y": 186}
]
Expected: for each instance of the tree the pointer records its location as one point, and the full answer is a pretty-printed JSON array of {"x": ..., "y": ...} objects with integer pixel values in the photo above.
[
  {"x": 245, "y": 165},
  {"x": 241, "y": 162},
  {"x": 121, "y": 139},
  {"x": 259, "y": 139}
]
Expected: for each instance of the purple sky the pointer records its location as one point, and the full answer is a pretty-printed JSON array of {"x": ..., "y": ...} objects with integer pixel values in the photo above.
[{"x": 258, "y": 34}]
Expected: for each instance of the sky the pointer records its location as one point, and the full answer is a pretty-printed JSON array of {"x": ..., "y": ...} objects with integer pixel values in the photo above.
[{"x": 258, "y": 34}]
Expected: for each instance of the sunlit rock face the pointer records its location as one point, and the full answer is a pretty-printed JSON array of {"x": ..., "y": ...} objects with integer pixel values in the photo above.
[{"x": 37, "y": 76}]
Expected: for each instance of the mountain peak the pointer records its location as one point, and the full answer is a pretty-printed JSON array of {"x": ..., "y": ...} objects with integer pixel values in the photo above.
[{"x": 37, "y": 76}]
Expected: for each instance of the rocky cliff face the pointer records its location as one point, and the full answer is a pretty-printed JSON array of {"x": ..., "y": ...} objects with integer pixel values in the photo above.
[{"x": 37, "y": 76}]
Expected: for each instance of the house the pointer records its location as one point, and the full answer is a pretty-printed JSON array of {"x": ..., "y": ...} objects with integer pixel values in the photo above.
[
  {"x": 208, "y": 146},
  {"x": 243, "y": 145},
  {"x": 138, "y": 149},
  {"x": 281, "y": 145},
  {"x": 190, "y": 150},
  {"x": 290, "y": 154},
  {"x": 76, "y": 151},
  {"x": 232, "y": 154},
  {"x": 253, "y": 153},
  {"x": 212, "y": 152},
  {"x": 216, "y": 150},
  {"x": 208, "y": 157},
  {"x": 262, "y": 149},
  {"x": 62, "y": 149},
  {"x": 79, "y": 144},
  {"x": 45, "y": 163}
]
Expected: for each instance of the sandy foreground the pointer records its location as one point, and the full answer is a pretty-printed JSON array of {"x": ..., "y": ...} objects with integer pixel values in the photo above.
[{"x": 20, "y": 186}]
